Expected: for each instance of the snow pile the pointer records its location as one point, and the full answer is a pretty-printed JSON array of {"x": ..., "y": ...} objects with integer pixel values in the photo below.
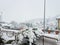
[{"x": 39, "y": 32}]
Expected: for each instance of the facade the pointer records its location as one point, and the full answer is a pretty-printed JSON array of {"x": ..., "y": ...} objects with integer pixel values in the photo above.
[{"x": 58, "y": 20}]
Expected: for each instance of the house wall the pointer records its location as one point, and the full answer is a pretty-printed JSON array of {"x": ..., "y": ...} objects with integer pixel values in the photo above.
[{"x": 59, "y": 23}]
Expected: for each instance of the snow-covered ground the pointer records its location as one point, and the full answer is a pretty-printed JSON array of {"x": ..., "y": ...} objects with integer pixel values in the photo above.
[{"x": 32, "y": 34}]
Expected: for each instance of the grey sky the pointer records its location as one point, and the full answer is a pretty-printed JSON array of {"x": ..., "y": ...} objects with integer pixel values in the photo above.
[{"x": 24, "y": 10}]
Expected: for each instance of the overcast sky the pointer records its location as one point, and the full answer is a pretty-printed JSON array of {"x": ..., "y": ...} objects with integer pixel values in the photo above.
[{"x": 24, "y": 10}]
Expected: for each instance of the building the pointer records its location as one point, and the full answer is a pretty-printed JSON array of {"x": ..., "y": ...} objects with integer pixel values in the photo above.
[{"x": 58, "y": 20}]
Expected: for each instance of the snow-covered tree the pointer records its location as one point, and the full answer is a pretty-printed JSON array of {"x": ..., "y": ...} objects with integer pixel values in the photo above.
[
  {"x": 31, "y": 35},
  {"x": 13, "y": 24}
]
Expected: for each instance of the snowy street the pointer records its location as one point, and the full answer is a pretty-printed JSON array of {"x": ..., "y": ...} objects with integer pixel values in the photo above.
[
  {"x": 47, "y": 41},
  {"x": 32, "y": 35}
]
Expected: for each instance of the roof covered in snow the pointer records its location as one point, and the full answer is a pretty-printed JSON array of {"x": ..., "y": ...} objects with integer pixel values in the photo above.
[{"x": 58, "y": 17}]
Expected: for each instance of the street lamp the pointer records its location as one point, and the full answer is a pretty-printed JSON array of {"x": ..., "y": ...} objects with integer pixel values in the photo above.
[
  {"x": 44, "y": 12},
  {"x": 44, "y": 17}
]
